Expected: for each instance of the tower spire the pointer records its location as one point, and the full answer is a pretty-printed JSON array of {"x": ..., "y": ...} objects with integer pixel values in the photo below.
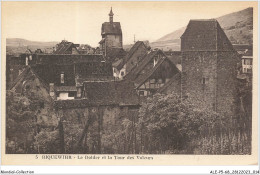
[{"x": 111, "y": 14}]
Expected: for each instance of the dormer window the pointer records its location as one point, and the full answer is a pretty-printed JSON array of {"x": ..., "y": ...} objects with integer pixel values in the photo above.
[{"x": 62, "y": 78}]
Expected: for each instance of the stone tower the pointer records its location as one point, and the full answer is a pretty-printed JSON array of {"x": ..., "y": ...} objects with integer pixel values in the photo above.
[
  {"x": 111, "y": 33},
  {"x": 209, "y": 67}
]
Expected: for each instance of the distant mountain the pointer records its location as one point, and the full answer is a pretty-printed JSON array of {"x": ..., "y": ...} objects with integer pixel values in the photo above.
[
  {"x": 17, "y": 45},
  {"x": 16, "y": 42},
  {"x": 238, "y": 27}
]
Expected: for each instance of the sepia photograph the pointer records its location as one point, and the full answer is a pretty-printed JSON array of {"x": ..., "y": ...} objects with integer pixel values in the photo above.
[{"x": 128, "y": 78}]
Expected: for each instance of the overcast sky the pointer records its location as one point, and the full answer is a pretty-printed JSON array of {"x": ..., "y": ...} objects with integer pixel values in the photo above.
[{"x": 80, "y": 22}]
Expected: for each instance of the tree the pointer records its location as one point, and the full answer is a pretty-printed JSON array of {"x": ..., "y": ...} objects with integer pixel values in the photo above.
[
  {"x": 20, "y": 123},
  {"x": 169, "y": 124}
]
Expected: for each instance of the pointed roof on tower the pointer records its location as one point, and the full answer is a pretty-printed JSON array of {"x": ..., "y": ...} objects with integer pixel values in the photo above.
[{"x": 111, "y": 12}]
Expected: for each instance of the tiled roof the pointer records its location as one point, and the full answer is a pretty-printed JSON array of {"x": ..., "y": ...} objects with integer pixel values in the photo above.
[
  {"x": 25, "y": 73},
  {"x": 142, "y": 78},
  {"x": 205, "y": 34},
  {"x": 20, "y": 77},
  {"x": 176, "y": 77},
  {"x": 117, "y": 63},
  {"x": 111, "y": 28},
  {"x": 174, "y": 57},
  {"x": 119, "y": 93},
  {"x": 129, "y": 54},
  {"x": 63, "y": 47},
  {"x": 136, "y": 70}
]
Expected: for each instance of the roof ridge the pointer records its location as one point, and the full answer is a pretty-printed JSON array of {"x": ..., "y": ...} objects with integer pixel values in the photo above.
[{"x": 20, "y": 77}]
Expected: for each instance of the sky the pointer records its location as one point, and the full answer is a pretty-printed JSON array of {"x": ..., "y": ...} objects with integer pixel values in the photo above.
[{"x": 80, "y": 22}]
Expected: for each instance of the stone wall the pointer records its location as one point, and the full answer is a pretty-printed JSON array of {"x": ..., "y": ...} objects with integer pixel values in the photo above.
[
  {"x": 198, "y": 79},
  {"x": 209, "y": 79},
  {"x": 104, "y": 124},
  {"x": 114, "y": 41},
  {"x": 227, "y": 86}
]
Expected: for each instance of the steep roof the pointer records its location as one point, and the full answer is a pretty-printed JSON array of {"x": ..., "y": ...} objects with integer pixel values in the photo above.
[
  {"x": 20, "y": 77},
  {"x": 129, "y": 54},
  {"x": 63, "y": 47},
  {"x": 102, "y": 93},
  {"x": 176, "y": 77},
  {"x": 118, "y": 63},
  {"x": 174, "y": 57},
  {"x": 142, "y": 78},
  {"x": 205, "y": 35},
  {"x": 136, "y": 70},
  {"x": 111, "y": 28},
  {"x": 28, "y": 70}
]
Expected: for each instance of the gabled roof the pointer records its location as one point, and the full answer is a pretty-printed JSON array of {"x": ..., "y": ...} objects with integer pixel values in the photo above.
[
  {"x": 127, "y": 57},
  {"x": 63, "y": 47},
  {"x": 134, "y": 49},
  {"x": 174, "y": 57},
  {"x": 24, "y": 74},
  {"x": 111, "y": 28},
  {"x": 142, "y": 78},
  {"x": 136, "y": 70},
  {"x": 20, "y": 77}
]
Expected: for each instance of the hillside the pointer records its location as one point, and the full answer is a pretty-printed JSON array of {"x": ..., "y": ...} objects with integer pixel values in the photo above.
[
  {"x": 238, "y": 26},
  {"x": 18, "y": 45}
]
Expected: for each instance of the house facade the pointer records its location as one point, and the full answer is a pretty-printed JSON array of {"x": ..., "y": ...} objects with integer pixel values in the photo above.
[{"x": 152, "y": 73}]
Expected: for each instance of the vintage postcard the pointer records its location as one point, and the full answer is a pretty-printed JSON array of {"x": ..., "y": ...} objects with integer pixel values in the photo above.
[{"x": 129, "y": 83}]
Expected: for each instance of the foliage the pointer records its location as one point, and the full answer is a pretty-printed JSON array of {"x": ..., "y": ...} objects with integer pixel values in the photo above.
[
  {"x": 20, "y": 122},
  {"x": 168, "y": 123},
  {"x": 47, "y": 142},
  {"x": 24, "y": 123}
]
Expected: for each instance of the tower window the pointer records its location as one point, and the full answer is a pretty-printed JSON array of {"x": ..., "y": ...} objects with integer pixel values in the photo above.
[
  {"x": 205, "y": 81},
  {"x": 62, "y": 78}
]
